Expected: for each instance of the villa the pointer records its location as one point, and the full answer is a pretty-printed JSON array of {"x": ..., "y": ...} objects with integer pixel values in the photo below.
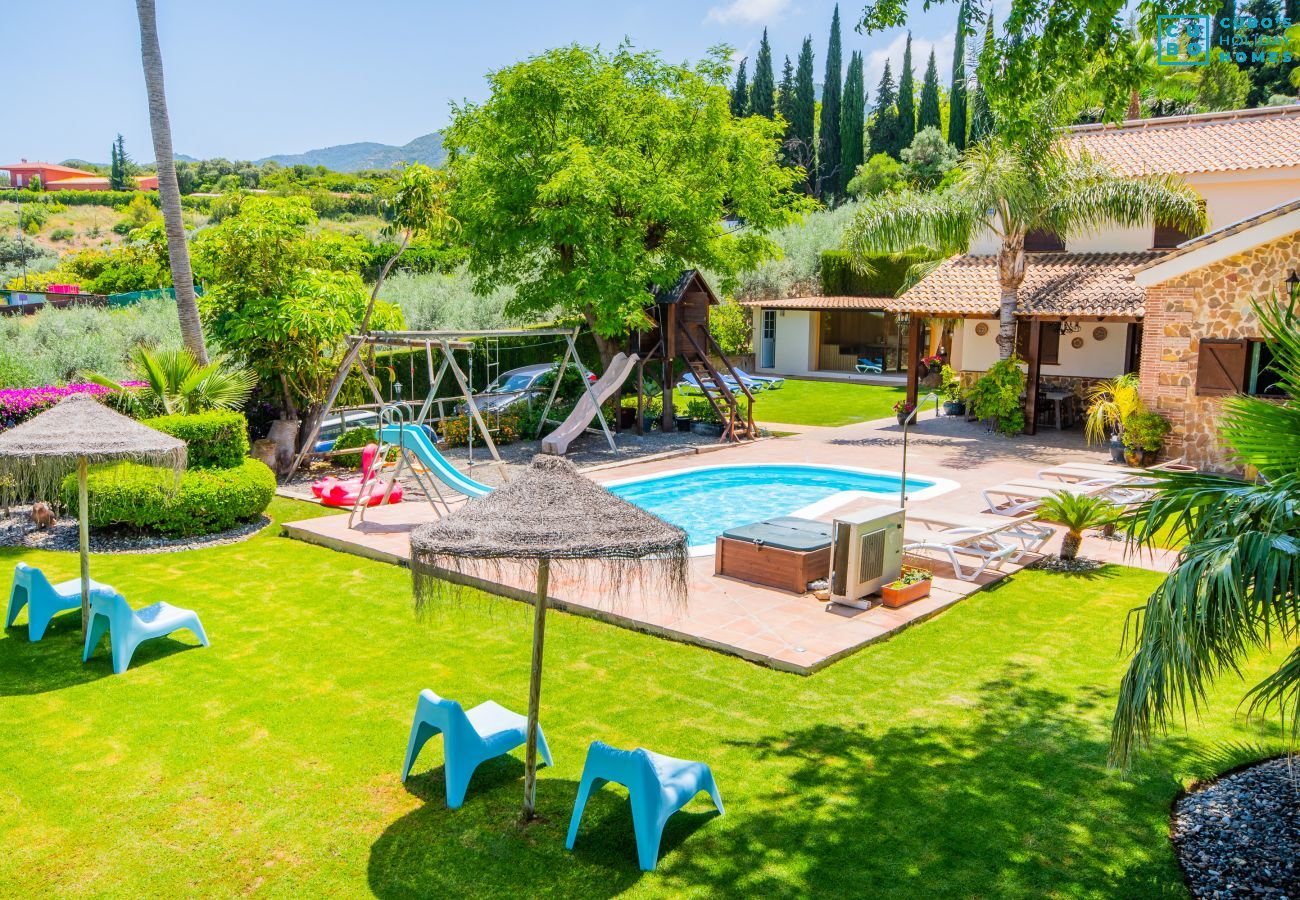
[
  {"x": 1173, "y": 307},
  {"x": 54, "y": 177}
]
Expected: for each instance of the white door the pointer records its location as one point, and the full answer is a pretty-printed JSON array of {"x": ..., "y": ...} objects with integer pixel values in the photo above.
[{"x": 767, "y": 358}]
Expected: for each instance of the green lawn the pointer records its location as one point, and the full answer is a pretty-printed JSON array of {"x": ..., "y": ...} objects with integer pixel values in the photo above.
[
  {"x": 963, "y": 758},
  {"x": 823, "y": 403}
]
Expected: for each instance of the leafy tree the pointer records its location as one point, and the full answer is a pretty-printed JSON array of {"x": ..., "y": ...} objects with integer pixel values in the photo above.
[
  {"x": 283, "y": 296},
  {"x": 957, "y": 93},
  {"x": 981, "y": 115},
  {"x": 884, "y": 131},
  {"x": 740, "y": 92},
  {"x": 878, "y": 175},
  {"x": 732, "y": 326},
  {"x": 851, "y": 122},
  {"x": 169, "y": 193},
  {"x": 589, "y": 176},
  {"x": 907, "y": 98},
  {"x": 929, "y": 158},
  {"x": 762, "y": 94},
  {"x": 1029, "y": 188},
  {"x": 1236, "y": 588},
  {"x": 1221, "y": 84},
  {"x": 802, "y": 149},
  {"x": 1078, "y": 513},
  {"x": 175, "y": 383},
  {"x": 829, "y": 155},
  {"x": 929, "y": 114}
]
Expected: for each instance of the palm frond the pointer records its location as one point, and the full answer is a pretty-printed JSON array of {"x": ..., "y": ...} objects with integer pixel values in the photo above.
[{"x": 894, "y": 223}]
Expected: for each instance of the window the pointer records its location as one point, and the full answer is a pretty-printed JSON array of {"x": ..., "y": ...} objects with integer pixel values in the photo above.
[
  {"x": 1244, "y": 366},
  {"x": 1167, "y": 237},
  {"x": 1049, "y": 342},
  {"x": 1040, "y": 240}
]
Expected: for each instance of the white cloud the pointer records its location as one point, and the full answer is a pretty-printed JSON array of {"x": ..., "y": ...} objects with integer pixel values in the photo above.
[{"x": 748, "y": 12}]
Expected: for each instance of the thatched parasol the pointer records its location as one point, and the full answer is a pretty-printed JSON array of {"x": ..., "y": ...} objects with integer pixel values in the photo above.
[
  {"x": 547, "y": 515},
  {"x": 76, "y": 432}
]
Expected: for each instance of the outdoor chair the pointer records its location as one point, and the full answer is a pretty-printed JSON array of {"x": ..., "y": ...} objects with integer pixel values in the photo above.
[
  {"x": 43, "y": 600},
  {"x": 866, "y": 366},
  {"x": 657, "y": 787},
  {"x": 469, "y": 739},
  {"x": 1032, "y": 535},
  {"x": 981, "y": 543},
  {"x": 128, "y": 628}
]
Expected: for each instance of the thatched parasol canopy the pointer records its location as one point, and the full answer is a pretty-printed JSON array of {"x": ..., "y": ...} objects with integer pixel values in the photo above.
[
  {"x": 39, "y": 452},
  {"x": 552, "y": 513},
  {"x": 548, "y": 514}
]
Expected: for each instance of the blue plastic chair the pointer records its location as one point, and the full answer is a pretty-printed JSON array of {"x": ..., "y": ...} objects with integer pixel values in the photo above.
[
  {"x": 657, "y": 787},
  {"x": 43, "y": 600},
  {"x": 128, "y": 628},
  {"x": 469, "y": 739}
]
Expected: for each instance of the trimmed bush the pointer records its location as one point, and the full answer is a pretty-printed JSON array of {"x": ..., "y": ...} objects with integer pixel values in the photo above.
[
  {"x": 353, "y": 438},
  {"x": 215, "y": 440},
  {"x": 145, "y": 498}
]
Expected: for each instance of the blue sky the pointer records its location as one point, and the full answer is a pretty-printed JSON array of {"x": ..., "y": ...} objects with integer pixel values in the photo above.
[{"x": 246, "y": 79}]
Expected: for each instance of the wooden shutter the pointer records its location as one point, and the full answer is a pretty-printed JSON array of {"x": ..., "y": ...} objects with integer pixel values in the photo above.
[
  {"x": 1221, "y": 368},
  {"x": 1040, "y": 240}
]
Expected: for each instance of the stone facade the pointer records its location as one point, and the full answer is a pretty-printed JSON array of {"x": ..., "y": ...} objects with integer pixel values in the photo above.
[{"x": 1211, "y": 302}]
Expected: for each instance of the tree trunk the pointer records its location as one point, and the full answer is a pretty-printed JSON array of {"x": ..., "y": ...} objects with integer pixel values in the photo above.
[
  {"x": 535, "y": 689},
  {"x": 1011, "y": 273},
  {"x": 1134, "y": 105},
  {"x": 169, "y": 193},
  {"x": 607, "y": 347},
  {"x": 1070, "y": 545}
]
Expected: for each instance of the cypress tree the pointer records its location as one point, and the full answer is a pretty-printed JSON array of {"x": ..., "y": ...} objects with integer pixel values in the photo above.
[
  {"x": 785, "y": 108},
  {"x": 853, "y": 110},
  {"x": 884, "y": 130},
  {"x": 981, "y": 117},
  {"x": 740, "y": 93},
  {"x": 829, "y": 159},
  {"x": 805, "y": 115},
  {"x": 114, "y": 169},
  {"x": 929, "y": 116},
  {"x": 762, "y": 93},
  {"x": 907, "y": 98},
  {"x": 1293, "y": 11},
  {"x": 1220, "y": 33},
  {"x": 957, "y": 94}
]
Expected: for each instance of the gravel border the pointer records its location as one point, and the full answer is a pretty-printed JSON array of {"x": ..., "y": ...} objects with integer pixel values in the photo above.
[
  {"x": 1239, "y": 835},
  {"x": 1076, "y": 566},
  {"x": 17, "y": 530}
]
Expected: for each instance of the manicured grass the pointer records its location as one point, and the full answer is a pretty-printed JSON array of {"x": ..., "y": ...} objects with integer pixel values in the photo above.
[
  {"x": 963, "y": 758},
  {"x": 828, "y": 403}
]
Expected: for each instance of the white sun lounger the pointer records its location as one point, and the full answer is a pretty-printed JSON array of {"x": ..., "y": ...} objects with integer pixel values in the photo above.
[
  {"x": 1087, "y": 471},
  {"x": 1015, "y": 498},
  {"x": 1032, "y": 535},
  {"x": 981, "y": 543}
]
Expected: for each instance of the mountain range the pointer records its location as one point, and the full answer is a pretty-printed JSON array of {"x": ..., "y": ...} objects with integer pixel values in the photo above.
[{"x": 426, "y": 149}]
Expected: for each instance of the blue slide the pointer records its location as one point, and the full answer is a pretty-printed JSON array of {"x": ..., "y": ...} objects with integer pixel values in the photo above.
[{"x": 414, "y": 439}]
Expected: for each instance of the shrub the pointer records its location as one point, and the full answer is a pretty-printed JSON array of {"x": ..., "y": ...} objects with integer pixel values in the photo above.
[
  {"x": 505, "y": 430},
  {"x": 840, "y": 278},
  {"x": 1145, "y": 431},
  {"x": 353, "y": 438},
  {"x": 996, "y": 396},
  {"x": 147, "y": 499},
  {"x": 62, "y": 234},
  {"x": 950, "y": 384},
  {"x": 20, "y": 404},
  {"x": 732, "y": 326},
  {"x": 214, "y": 440}
]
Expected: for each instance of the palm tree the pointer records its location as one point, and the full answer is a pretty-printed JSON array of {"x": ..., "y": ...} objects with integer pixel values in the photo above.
[
  {"x": 175, "y": 382},
  {"x": 1012, "y": 190},
  {"x": 1078, "y": 513},
  {"x": 1236, "y": 588},
  {"x": 169, "y": 192}
]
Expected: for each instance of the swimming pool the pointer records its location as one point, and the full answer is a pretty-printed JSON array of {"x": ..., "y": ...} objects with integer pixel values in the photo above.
[{"x": 707, "y": 501}]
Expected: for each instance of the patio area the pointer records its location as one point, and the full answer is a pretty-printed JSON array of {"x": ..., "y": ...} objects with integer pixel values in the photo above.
[{"x": 790, "y": 632}]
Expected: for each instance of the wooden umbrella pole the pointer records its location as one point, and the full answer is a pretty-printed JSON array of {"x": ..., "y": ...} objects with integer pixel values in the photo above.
[
  {"x": 535, "y": 688},
  {"x": 83, "y": 519}
]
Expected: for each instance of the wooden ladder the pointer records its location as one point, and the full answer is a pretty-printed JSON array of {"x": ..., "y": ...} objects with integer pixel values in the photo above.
[{"x": 737, "y": 425}]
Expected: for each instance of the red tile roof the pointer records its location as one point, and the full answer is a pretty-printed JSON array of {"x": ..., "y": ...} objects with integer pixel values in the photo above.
[
  {"x": 1267, "y": 138},
  {"x": 825, "y": 303}
]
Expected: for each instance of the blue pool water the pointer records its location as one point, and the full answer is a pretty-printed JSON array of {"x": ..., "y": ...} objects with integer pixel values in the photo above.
[{"x": 706, "y": 502}]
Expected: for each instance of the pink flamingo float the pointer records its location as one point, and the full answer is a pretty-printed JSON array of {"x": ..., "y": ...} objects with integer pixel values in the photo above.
[{"x": 344, "y": 493}]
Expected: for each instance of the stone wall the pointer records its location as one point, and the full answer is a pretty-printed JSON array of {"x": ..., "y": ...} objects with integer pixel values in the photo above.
[{"x": 1212, "y": 302}]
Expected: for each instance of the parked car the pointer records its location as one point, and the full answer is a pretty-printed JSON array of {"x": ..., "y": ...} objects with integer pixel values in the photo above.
[
  {"x": 332, "y": 427},
  {"x": 511, "y": 387}
]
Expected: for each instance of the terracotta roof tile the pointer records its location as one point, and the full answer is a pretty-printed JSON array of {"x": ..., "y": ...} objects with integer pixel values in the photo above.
[
  {"x": 1266, "y": 138},
  {"x": 826, "y": 303},
  {"x": 1056, "y": 284}
]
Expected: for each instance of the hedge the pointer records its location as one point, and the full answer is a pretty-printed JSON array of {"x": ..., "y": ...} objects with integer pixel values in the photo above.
[
  {"x": 839, "y": 278},
  {"x": 350, "y": 439},
  {"x": 214, "y": 440},
  {"x": 147, "y": 499}
]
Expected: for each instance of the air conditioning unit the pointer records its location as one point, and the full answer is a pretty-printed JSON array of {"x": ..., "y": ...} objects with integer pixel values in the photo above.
[{"x": 866, "y": 554}]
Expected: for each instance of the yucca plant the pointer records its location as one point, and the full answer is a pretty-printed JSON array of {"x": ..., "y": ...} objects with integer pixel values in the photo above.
[
  {"x": 1078, "y": 513},
  {"x": 1236, "y": 588},
  {"x": 175, "y": 382}
]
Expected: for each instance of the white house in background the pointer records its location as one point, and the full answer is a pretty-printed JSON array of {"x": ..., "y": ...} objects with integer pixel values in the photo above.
[{"x": 1089, "y": 311}]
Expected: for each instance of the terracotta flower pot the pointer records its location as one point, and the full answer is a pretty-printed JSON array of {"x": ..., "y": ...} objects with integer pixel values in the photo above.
[{"x": 895, "y": 597}]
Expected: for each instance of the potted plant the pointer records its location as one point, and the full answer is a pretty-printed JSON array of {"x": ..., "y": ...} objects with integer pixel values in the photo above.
[
  {"x": 995, "y": 397},
  {"x": 912, "y": 585},
  {"x": 950, "y": 387},
  {"x": 903, "y": 409},
  {"x": 1077, "y": 512},
  {"x": 929, "y": 370},
  {"x": 1110, "y": 403},
  {"x": 1144, "y": 437}
]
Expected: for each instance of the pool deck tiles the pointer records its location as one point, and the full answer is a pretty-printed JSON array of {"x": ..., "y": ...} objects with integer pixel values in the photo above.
[{"x": 794, "y": 633}]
